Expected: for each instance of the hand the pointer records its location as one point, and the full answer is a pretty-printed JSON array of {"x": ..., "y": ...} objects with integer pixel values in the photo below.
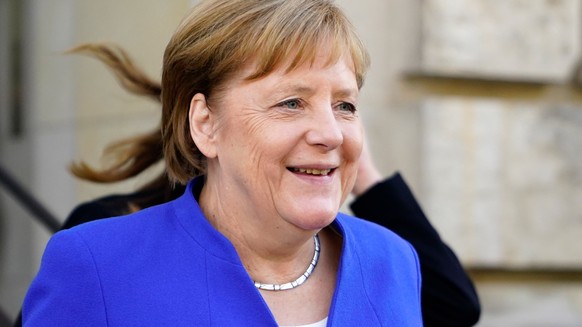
[{"x": 368, "y": 174}]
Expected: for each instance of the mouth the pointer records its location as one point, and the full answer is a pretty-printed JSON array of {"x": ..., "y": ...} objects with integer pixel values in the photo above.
[{"x": 312, "y": 171}]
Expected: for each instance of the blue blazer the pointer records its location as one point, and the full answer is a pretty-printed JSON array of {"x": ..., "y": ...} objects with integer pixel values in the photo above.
[{"x": 167, "y": 266}]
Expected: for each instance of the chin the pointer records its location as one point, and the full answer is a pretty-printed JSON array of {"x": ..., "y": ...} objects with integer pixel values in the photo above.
[{"x": 315, "y": 220}]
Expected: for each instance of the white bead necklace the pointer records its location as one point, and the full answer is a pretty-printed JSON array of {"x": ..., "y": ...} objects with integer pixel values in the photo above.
[{"x": 298, "y": 281}]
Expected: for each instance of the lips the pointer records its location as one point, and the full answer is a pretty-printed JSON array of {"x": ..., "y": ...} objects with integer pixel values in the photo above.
[{"x": 312, "y": 171}]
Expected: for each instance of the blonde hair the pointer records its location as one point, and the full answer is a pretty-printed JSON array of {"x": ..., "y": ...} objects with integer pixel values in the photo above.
[
  {"x": 131, "y": 156},
  {"x": 220, "y": 36},
  {"x": 210, "y": 45}
]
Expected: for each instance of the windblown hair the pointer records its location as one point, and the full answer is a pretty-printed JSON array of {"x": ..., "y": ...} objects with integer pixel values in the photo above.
[
  {"x": 214, "y": 42},
  {"x": 133, "y": 155}
]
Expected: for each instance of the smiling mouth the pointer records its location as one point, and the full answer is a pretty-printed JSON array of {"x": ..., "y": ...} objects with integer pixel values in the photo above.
[{"x": 315, "y": 172}]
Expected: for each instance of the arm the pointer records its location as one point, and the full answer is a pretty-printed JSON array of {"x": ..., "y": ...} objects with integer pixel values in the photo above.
[
  {"x": 109, "y": 206},
  {"x": 66, "y": 291},
  {"x": 448, "y": 295}
]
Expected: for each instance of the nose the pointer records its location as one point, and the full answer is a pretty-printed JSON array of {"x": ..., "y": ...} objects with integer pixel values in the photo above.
[{"x": 325, "y": 130}]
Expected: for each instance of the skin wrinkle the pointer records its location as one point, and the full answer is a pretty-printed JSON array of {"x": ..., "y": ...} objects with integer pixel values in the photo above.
[
  {"x": 287, "y": 263},
  {"x": 256, "y": 115},
  {"x": 254, "y": 118},
  {"x": 256, "y": 122}
]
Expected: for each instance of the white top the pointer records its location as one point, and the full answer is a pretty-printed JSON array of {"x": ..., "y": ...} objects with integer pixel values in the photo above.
[{"x": 321, "y": 323}]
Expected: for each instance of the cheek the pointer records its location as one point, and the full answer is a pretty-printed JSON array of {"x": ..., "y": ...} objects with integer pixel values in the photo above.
[
  {"x": 353, "y": 141},
  {"x": 251, "y": 141},
  {"x": 239, "y": 130},
  {"x": 256, "y": 136}
]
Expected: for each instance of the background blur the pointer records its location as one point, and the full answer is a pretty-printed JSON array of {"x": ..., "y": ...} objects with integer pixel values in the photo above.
[{"x": 477, "y": 102}]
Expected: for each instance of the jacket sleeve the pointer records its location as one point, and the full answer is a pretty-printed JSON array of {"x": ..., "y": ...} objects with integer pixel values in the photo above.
[
  {"x": 67, "y": 290},
  {"x": 448, "y": 295}
]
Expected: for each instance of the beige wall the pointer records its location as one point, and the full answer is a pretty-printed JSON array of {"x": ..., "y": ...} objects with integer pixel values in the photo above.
[
  {"x": 391, "y": 31},
  {"x": 73, "y": 109},
  {"x": 105, "y": 112}
]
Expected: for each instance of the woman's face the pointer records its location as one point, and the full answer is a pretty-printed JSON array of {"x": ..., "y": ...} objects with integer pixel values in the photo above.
[{"x": 287, "y": 145}]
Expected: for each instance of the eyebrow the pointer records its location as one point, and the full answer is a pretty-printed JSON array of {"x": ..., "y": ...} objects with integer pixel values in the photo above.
[
  {"x": 346, "y": 93},
  {"x": 295, "y": 88},
  {"x": 306, "y": 89}
]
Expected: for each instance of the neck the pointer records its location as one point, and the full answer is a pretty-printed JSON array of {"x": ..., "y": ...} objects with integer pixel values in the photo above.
[
  {"x": 270, "y": 249},
  {"x": 299, "y": 280}
]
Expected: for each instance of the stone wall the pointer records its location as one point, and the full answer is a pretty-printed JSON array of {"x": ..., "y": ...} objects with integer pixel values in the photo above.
[
  {"x": 501, "y": 172},
  {"x": 503, "y": 180},
  {"x": 499, "y": 105},
  {"x": 536, "y": 40}
]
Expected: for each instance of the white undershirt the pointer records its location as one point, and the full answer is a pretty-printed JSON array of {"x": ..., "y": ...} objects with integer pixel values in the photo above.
[{"x": 322, "y": 323}]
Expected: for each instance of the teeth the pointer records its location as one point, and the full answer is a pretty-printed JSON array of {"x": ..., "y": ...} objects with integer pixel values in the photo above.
[{"x": 313, "y": 171}]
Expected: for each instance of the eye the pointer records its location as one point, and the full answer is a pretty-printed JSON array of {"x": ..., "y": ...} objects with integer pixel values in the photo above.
[
  {"x": 290, "y": 104},
  {"x": 346, "y": 106}
]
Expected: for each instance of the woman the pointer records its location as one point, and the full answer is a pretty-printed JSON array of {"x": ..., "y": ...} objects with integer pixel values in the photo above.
[
  {"x": 448, "y": 295},
  {"x": 259, "y": 119}
]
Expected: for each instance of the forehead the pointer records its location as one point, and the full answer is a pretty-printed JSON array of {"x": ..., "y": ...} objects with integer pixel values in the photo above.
[
  {"x": 323, "y": 56},
  {"x": 321, "y": 60},
  {"x": 305, "y": 79}
]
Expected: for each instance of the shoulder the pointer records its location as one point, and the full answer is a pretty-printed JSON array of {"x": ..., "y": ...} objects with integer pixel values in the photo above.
[
  {"x": 383, "y": 265},
  {"x": 378, "y": 249},
  {"x": 150, "y": 230},
  {"x": 86, "y": 268},
  {"x": 117, "y": 238},
  {"x": 370, "y": 235},
  {"x": 126, "y": 228},
  {"x": 68, "y": 276}
]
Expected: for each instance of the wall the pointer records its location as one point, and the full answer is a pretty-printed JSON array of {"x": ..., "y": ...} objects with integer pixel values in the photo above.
[
  {"x": 72, "y": 108},
  {"x": 43, "y": 140}
]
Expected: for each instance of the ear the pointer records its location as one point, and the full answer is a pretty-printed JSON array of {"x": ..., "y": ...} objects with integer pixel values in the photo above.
[{"x": 202, "y": 121}]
